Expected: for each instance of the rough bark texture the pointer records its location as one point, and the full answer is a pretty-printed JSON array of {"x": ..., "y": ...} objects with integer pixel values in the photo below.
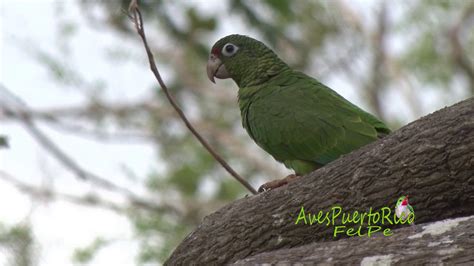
[
  {"x": 449, "y": 241},
  {"x": 431, "y": 159}
]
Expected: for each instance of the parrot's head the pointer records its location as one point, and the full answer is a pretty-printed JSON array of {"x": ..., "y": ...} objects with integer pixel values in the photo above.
[
  {"x": 245, "y": 60},
  {"x": 402, "y": 201},
  {"x": 405, "y": 201}
]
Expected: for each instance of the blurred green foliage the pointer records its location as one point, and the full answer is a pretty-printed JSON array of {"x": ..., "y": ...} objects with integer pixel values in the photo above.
[
  {"x": 85, "y": 254},
  {"x": 430, "y": 55},
  {"x": 18, "y": 240},
  {"x": 3, "y": 141}
]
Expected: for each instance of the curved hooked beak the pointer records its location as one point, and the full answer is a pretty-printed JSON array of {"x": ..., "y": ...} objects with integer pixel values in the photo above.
[{"x": 215, "y": 68}]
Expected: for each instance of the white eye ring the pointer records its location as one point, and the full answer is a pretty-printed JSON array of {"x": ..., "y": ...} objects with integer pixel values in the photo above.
[{"x": 229, "y": 49}]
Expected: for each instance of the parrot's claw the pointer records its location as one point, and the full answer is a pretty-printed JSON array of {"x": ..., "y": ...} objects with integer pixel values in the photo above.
[{"x": 276, "y": 183}]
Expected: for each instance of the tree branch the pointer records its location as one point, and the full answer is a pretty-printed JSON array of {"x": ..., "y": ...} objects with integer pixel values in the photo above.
[
  {"x": 138, "y": 21},
  {"x": 429, "y": 159},
  {"x": 49, "y": 194},
  {"x": 51, "y": 147},
  {"x": 376, "y": 83},
  {"x": 447, "y": 242},
  {"x": 460, "y": 57},
  {"x": 65, "y": 119}
]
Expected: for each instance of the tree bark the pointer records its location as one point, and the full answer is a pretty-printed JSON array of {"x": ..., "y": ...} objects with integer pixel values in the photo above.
[
  {"x": 449, "y": 241},
  {"x": 431, "y": 160}
]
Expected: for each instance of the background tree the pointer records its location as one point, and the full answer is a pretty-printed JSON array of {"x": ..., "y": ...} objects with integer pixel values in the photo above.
[{"x": 399, "y": 60}]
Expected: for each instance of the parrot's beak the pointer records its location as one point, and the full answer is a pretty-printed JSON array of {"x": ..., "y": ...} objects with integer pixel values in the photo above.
[{"x": 215, "y": 68}]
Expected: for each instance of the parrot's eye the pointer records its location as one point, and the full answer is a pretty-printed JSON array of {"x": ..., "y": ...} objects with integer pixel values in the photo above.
[{"x": 229, "y": 49}]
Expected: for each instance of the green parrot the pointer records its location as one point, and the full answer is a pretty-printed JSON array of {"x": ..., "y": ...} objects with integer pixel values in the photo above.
[
  {"x": 299, "y": 121},
  {"x": 403, "y": 208}
]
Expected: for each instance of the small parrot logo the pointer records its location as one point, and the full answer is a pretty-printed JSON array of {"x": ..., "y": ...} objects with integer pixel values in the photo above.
[{"x": 403, "y": 208}]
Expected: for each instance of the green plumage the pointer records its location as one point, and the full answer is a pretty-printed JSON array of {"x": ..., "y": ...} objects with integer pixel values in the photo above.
[{"x": 299, "y": 121}]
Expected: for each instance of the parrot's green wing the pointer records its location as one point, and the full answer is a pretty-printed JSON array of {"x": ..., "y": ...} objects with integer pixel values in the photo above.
[{"x": 300, "y": 121}]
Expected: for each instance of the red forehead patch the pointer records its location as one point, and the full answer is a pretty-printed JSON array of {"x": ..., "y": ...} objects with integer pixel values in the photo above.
[{"x": 215, "y": 51}]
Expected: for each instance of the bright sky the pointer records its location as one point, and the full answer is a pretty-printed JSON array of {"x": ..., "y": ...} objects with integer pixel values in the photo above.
[{"x": 60, "y": 226}]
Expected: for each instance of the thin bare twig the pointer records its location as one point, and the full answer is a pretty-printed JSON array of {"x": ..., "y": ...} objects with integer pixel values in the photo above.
[{"x": 138, "y": 21}]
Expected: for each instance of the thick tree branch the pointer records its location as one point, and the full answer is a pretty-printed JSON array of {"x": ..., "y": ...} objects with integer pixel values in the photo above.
[
  {"x": 447, "y": 242},
  {"x": 430, "y": 159}
]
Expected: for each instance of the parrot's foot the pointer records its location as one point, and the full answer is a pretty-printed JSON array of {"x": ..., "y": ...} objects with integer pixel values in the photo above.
[{"x": 276, "y": 183}]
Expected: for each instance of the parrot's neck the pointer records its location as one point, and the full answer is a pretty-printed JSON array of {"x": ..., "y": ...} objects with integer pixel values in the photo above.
[
  {"x": 260, "y": 71},
  {"x": 259, "y": 89}
]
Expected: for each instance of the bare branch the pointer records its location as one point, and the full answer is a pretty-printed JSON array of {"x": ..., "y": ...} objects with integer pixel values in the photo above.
[
  {"x": 138, "y": 21},
  {"x": 89, "y": 200},
  {"x": 376, "y": 83},
  {"x": 65, "y": 119},
  {"x": 58, "y": 121},
  {"x": 460, "y": 57},
  {"x": 68, "y": 162}
]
